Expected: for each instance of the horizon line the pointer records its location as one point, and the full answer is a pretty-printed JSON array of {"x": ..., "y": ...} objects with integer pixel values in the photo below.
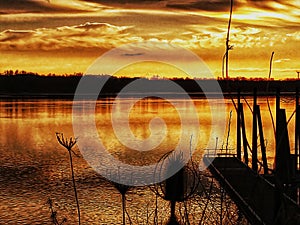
[{"x": 154, "y": 77}]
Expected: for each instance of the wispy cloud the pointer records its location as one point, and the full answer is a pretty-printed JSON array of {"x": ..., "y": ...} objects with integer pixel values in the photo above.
[
  {"x": 40, "y": 6},
  {"x": 86, "y": 35},
  {"x": 208, "y": 5},
  {"x": 209, "y": 41},
  {"x": 205, "y": 5},
  {"x": 295, "y": 35},
  {"x": 282, "y": 60}
]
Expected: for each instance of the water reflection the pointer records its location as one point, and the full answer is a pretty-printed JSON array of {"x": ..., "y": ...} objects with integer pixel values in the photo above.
[
  {"x": 28, "y": 126},
  {"x": 33, "y": 166}
]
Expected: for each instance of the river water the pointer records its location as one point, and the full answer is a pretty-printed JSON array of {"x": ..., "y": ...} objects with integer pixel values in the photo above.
[{"x": 34, "y": 167}]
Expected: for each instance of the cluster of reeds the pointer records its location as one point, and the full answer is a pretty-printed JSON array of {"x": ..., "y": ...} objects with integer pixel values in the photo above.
[{"x": 178, "y": 189}]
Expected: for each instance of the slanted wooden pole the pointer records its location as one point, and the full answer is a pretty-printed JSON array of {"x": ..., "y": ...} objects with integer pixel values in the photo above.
[
  {"x": 245, "y": 144},
  {"x": 238, "y": 128},
  {"x": 254, "y": 132},
  {"x": 262, "y": 141}
]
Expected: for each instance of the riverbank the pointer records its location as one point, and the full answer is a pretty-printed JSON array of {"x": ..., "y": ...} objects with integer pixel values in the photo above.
[{"x": 22, "y": 86}]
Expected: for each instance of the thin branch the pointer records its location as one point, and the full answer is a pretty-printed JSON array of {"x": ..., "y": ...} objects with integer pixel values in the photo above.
[
  {"x": 228, "y": 47},
  {"x": 269, "y": 107}
]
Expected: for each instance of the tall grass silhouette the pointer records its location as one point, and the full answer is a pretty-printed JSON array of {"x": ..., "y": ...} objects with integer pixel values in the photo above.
[{"x": 69, "y": 144}]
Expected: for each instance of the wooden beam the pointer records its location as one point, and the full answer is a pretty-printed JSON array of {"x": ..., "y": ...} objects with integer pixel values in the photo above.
[
  {"x": 245, "y": 142},
  {"x": 238, "y": 129},
  {"x": 254, "y": 132}
]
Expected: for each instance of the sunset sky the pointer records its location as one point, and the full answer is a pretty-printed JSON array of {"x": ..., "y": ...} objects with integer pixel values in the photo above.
[{"x": 66, "y": 36}]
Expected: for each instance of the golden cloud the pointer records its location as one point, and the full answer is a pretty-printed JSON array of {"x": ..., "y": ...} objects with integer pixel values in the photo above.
[
  {"x": 106, "y": 36},
  {"x": 86, "y": 35}
]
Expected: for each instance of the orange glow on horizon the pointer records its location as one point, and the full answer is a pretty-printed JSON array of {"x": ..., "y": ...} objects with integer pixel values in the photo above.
[
  {"x": 150, "y": 70},
  {"x": 52, "y": 40}
]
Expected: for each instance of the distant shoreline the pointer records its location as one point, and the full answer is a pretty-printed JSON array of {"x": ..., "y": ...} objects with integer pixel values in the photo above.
[
  {"x": 102, "y": 96},
  {"x": 57, "y": 87}
]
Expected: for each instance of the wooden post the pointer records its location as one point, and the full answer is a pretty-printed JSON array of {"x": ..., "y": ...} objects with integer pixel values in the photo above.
[
  {"x": 277, "y": 100},
  {"x": 297, "y": 130},
  {"x": 282, "y": 169},
  {"x": 277, "y": 113},
  {"x": 254, "y": 132},
  {"x": 297, "y": 141},
  {"x": 277, "y": 126},
  {"x": 245, "y": 143},
  {"x": 238, "y": 129},
  {"x": 262, "y": 141}
]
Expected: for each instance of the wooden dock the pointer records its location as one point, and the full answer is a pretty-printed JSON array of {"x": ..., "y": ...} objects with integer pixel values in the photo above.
[
  {"x": 271, "y": 198},
  {"x": 261, "y": 201}
]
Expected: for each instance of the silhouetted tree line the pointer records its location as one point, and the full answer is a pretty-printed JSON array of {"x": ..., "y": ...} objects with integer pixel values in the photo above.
[{"x": 22, "y": 84}]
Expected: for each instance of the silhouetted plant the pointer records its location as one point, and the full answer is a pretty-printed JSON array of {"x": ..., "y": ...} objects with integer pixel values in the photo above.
[
  {"x": 178, "y": 187},
  {"x": 174, "y": 187},
  {"x": 122, "y": 190},
  {"x": 54, "y": 214},
  {"x": 69, "y": 144}
]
